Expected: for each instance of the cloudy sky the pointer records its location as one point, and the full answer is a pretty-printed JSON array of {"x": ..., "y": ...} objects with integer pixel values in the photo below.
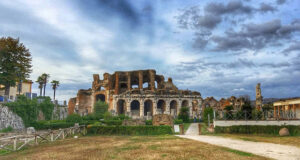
[{"x": 219, "y": 48}]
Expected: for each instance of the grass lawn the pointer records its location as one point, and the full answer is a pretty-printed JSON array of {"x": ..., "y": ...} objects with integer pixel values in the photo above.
[{"x": 128, "y": 147}]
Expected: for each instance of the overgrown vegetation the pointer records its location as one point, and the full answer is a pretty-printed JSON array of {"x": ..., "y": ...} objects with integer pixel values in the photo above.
[
  {"x": 28, "y": 109},
  {"x": 273, "y": 130},
  {"x": 130, "y": 130},
  {"x": 7, "y": 129},
  {"x": 74, "y": 118},
  {"x": 184, "y": 114},
  {"x": 208, "y": 111}
]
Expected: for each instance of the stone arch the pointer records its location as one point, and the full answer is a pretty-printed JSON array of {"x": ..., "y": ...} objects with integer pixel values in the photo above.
[
  {"x": 161, "y": 105},
  {"x": 100, "y": 97},
  {"x": 185, "y": 103},
  {"x": 148, "y": 107},
  {"x": 121, "y": 106},
  {"x": 173, "y": 107},
  {"x": 135, "y": 108}
]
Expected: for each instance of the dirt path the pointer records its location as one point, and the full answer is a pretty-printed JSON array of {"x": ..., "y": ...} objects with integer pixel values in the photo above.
[{"x": 269, "y": 150}]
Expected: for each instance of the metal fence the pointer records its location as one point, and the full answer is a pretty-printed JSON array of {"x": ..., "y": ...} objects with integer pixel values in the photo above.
[{"x": 255, "y": 115}]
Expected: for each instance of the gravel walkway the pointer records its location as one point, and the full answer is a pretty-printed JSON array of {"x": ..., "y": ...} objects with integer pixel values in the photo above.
[{"x": 270, "y": 150}]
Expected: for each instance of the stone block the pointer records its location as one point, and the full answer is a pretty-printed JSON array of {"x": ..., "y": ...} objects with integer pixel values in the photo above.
[
  {"x": 284, "y": 132},
  {"x": 162, "y": 119}
]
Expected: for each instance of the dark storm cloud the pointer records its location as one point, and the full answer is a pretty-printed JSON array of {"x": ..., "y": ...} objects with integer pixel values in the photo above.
[
  {"x": 280, "y": 2},
  {"x": 275, "y": 65},
  {"x": 291, "y": 48},
  {"x": 266, "y": 8},
  {"x": 240, "y": 63},
  {"x": 232, "y": 7},
  {"x": 255, "y": 36}
]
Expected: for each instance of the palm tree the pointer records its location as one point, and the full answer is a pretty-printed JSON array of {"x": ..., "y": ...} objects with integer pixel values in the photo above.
[
  {"x": 40, "y": 80},
  {"x": 55, "y": 84},
  {"x": 45, "y": 77}
]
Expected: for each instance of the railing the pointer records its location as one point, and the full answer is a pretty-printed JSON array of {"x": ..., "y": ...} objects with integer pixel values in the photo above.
[
  {"x": 255, "y": 115},
  {"x": 18, "y": 142}
]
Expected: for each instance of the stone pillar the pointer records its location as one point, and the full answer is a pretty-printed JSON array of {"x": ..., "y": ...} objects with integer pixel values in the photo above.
[
  {"x": 278, "y": 113},
  {"x": 294, "y": 110},
  {"x": 142, "y": 108},
  {"x": 128, "y": 106},
  {"x": 167, "y": 107},
  {"x": 190, "y": 105},
  {"x": 274, "y": 114},
  {"x": 152, "y": 80},
  {"x": 117, "y": 83},
  {"x": 178, "y": 107},
  {"x": 128, "y": 81},
  {"x": 141, "y": 80},
  {"x": 154, "y": 107}
]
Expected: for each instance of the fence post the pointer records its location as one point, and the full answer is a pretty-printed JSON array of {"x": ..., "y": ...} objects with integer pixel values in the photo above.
[
  {"x": 51, "y": 136},
  {"x": 181, "y": 129},
  {"x": 63, "y": 134},
  {"x": 35, "y": 139},
  {"x": 15, "y": 143},
  {"x": 199, "y": 128},
  {"x": 245, "y": 115}
]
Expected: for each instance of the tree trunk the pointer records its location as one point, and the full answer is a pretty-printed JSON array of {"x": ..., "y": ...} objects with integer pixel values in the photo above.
[
  {"x": 7, "y": 88},
  {"x": 41, "y": 91},
  {"x": 54, "y": 94},
  {"x": 44, "y": 89}
]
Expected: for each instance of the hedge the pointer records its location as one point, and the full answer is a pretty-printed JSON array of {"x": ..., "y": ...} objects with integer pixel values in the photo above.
[
  {"x": 112, "y": 122},
  {"x": 57, "y": 124},
  {"x": 178, "y": 121},
  {"x": 129, "y": 130},
  {"x": 274, "y": 130}
]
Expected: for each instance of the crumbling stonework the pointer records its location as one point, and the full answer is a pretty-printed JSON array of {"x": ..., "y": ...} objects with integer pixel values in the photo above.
[
  {"x": 237, "y": 103},
  {"x": 259, "y": 98},
  {"x": 162, "y": 119},
  {"x": 138, "y": 94},
  {"x": 8, "y": 118}
]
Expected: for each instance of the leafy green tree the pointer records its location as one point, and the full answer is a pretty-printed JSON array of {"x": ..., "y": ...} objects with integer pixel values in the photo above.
[
  {"x": 47, "y": 107},
  {"x": 100, "y": 108},
  {"x": 208, "y": 111},
  {"x": 74, "y": 118},
  {"x": 40, "y": 81},
  {"x": 184, "y": 114},
  {"x": 55, "y": 84},
  {"x": 15, "y": 62}
]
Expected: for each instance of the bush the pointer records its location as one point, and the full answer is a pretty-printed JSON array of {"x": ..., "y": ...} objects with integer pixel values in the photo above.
[
  {"x": 274, "y": 130},
  {"x": 121, "y": 117},
  {"x": 7, "y": 129},
  {"x": 208, "y": 111},
  {"x": 74, "y": 118},
  {"x": 46, "y": 106},
  {"x": 148, "y": 122},
  {"x": 41, "y": 125},
  {"x": 257, "y": 115},
  {"x": 184, "y": 114},
  {"x": 100, "y": 108},
  {"x": 107, "y": 116},
  {"x": 178, "y": 121},
  {"x": 130, "y": 130},
  {"x": 112, "y": 122}
]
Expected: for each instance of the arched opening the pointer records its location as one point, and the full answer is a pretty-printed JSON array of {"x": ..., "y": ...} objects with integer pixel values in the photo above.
[
  {"x": 100, "y": 97},
  {"x": 173, "y": 108},
  {"x": 146, "y": 85},
  {"x": 121, "y": 108},
  {"x": 148, "y": 107},
  {"x": 185, "y": 103},
  {"x": 135, "y": 108},
  {"x": 161, "y": 106}
]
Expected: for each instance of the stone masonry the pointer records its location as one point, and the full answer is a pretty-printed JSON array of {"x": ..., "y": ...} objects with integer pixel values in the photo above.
[{"x": 139, "y": 94}]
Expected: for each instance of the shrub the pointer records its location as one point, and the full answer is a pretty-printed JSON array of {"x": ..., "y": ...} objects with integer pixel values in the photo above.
[
  {"x": 41, "y": 125},
  {"x": 121, "y": 117},
  {"x": 130, "y": 130},
  {"x": 257, "y": 115},
  {"x": 74, "y": 118},
  {"x": 46, "y": 106},
  {"x": 208, "y": 111},
  {"x": 107, "y": 116},
  {"x": 178, "y": 121},
  {"x": 184, "y": 114},
  {"x": 112, "y": 122},
  {"x": 7, "y": 129},
  {"x": 148, "y": 122},
  {"x": 274, "y": 130},
  {"x": 100, "y": 108}
]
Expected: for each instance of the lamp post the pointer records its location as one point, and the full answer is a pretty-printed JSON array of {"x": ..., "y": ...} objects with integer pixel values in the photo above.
[{"x": 19, "y": 75}]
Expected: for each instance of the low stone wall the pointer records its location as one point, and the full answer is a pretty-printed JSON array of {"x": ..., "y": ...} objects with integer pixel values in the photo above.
[
  {"x": 8, "y": 118},
  {"x": 258, "y": 123}
]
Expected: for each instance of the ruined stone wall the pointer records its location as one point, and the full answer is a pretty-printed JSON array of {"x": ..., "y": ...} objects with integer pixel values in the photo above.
[{"x": 8, "y": 118}]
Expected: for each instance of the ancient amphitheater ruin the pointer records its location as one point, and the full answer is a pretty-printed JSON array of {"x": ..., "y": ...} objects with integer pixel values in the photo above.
[{"x": 138, "y": 94}]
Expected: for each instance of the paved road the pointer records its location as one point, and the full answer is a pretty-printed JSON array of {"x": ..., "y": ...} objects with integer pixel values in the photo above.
[{"x": 270, "y": 150}]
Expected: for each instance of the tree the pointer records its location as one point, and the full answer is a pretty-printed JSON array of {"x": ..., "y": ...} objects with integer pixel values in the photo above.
[
  {"x": 45, "y": 77},
  {"x": 55, "y": 84},
  {"x": 184, "y": 114},
  {"x": 40, "y": 81},
  {"x": 15, "y": 62},
  {"x": 100, "y": 108}
]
